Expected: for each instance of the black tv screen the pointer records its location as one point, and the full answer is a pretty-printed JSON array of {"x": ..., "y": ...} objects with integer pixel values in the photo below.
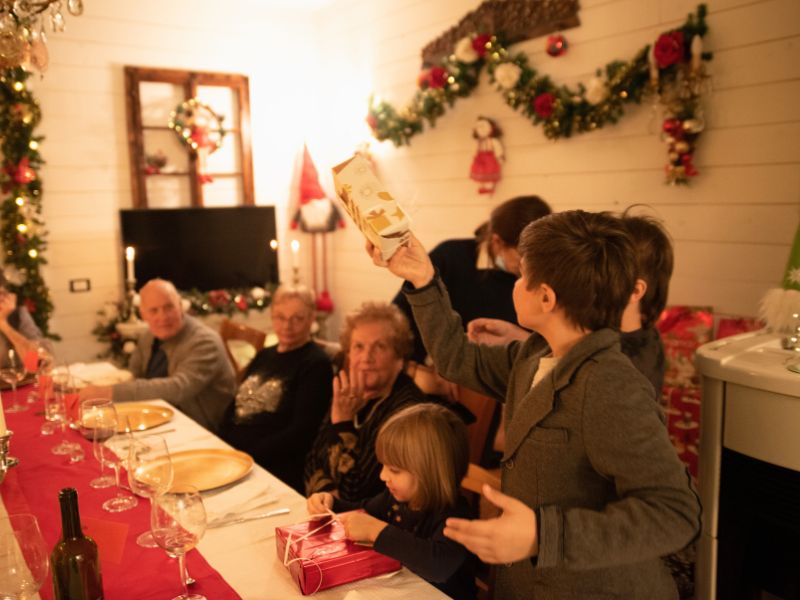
[{"x": 203, "y": 248}]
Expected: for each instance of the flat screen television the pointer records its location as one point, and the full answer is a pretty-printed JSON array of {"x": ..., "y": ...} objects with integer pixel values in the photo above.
[{"x": 203, "y": 248}]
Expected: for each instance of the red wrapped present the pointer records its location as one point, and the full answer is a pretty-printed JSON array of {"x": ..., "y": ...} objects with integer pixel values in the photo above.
[
  {"x": 683, "y": 329},
  {"x": 319, "y": 556},
  {"x": 682, "y": 408},
  {"x": 729, "y": 326}
]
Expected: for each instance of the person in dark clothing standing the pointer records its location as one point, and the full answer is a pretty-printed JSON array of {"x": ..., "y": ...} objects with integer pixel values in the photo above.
[
  {"x": 285, "y": 392},
  {"x": 425, "y": 454},
  {"x": 480, "y": 273}
]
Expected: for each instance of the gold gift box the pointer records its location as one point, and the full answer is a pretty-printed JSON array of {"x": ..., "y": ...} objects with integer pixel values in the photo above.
[{"x": 372, "y": 208}]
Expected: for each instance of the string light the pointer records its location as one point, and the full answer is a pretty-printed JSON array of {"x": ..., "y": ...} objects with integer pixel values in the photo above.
[
  {"x": 33, "y": 145},
  {"x": 20, "y": 201},
  {"x": 18, "y": 86},
  {"x": 22, "y": 228},
  {"x": 33, "y": 253}
]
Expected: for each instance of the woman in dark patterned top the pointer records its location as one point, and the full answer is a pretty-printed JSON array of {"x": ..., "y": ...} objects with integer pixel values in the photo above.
[
  {"x": 370, "y": 388},
  {"x": 285, "y": 393},
  {"x": 425, "y": 454}
]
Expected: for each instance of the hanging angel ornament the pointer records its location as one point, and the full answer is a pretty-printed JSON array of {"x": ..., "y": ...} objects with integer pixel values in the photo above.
[{"x": 486, "y": 169}]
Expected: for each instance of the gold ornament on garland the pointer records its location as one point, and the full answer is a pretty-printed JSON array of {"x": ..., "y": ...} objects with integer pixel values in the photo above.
[{"x": 673, "y": 72}]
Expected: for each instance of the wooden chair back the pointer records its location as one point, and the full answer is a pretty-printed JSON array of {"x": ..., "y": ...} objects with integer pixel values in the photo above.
[
  {"x": 473, "y": 483},
  {"x": 483, "y": 407},
  {"x": 232, "y": 332}
]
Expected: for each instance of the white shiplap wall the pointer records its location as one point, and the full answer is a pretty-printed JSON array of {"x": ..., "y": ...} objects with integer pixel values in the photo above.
[
  {"x": 732, "y": 228},
  {"x": 86, "y": 179},
  {"x": 310, "y": 75}
]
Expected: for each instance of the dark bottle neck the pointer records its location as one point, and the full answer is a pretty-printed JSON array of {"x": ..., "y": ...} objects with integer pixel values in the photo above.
[{"x": 70, "y": 517}]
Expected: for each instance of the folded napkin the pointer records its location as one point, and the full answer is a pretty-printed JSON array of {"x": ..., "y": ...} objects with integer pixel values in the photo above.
[{"x": 98, "y": 373}]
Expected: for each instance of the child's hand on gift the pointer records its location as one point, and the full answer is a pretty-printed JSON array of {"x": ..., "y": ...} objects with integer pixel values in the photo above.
[
  {"x": 361, "y": 527},
  {"x": 510, "y": 537},
  {"x": 410, "y": 262},
  {"x": 319, "y": 503}
]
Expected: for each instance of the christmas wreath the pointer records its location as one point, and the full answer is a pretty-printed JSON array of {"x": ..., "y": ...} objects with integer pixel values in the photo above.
[
  {"x": 197, "y": 125},
  {"x": 672, "y": 70}
]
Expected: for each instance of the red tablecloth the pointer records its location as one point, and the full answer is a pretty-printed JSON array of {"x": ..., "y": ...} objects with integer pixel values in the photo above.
[{"x": 129, "y": 571}]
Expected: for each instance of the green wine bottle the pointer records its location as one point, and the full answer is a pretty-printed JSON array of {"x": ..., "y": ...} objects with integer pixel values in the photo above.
[{"x": 74, "y": 560}]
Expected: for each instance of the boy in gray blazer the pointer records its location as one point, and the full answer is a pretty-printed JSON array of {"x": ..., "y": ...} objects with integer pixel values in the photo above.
[{"x": 593, "y": 492}]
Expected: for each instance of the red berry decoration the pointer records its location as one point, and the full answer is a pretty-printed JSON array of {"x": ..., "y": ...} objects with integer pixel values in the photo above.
[
  {"x": 673, "y": 127},
  {"x": 556, "y": 45}
]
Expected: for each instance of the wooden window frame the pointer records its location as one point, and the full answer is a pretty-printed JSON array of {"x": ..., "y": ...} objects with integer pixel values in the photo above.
[{"x": 189, "y": 82}]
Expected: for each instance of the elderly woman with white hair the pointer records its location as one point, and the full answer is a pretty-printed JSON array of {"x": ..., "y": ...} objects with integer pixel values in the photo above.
[{"x": 285, "y": 392}]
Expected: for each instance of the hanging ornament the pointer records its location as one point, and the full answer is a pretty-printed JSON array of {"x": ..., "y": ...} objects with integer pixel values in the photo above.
[
  {"x": 556, "y": 45},
  {"x": 199, "y": 128},
  {"x": 22, "y": 172}
]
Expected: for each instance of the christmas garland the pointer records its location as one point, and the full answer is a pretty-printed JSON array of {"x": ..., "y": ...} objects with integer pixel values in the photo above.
[
  {"x": 22, "y": 232},
  {"x": 197, "y": 303},
  {"x": 672, "y": 69}
]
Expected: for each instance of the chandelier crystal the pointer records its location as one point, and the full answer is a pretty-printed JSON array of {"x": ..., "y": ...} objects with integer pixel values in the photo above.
[{"x": 23, "y": 30}]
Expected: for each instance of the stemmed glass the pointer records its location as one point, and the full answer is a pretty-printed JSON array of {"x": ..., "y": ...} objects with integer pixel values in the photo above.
[
  {"x": 56, "y": 387},
  {"x": 178, "y": 521},
  {"x": 115, "y": 450},
  {"x": 37, "y": 361},
  {"x": 98, "y": 422},
  {"x": 23, "y": 557},
  {"x": 150, "y": 473},
  {"x": 12, "y": 373}
]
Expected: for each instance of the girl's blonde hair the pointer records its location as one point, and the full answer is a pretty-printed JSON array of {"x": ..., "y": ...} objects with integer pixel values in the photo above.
[{"x": 430, "y": 442}]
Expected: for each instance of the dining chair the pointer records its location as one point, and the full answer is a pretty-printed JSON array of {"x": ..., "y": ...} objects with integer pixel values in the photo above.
[
  {"x": 241, "y": 343},
  {"x": 483, "y": 408}
]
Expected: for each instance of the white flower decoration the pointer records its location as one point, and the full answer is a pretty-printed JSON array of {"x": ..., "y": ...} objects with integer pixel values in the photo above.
[
  {"x": 128, "y": 347},
  {"x": 596, "y": 91},
  {"x": 185, "y": 305},
  {"x": 258, "y": 293},
  {"x": 464, "y": 51},
  {"x": 507, "y": 75}
]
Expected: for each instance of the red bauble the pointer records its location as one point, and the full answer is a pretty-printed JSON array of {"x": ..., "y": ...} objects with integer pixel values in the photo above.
[
  {"x": 200, "y": 136},
  {"x": 372, "y": 121},
  {"x": 240, "y": 302},
  {"x": 686, "y": 161},
  {"x": 479, "y": 43},
  {"x": 556, "y": 45},
  {"x": 543, "y": 105},
  {"x": 668, "y": 49},
  {"x": 23, "y": 173},
  {"x": 30, "y": 305},
  {"x": 673, "y": 127}
]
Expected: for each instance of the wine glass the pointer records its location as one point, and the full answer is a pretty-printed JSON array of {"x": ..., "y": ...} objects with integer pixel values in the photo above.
[
  {"x": 115, "y": 451},
  {"x": 178, "y": 521},
  {"x": 23, "y": 557},
  {"x": 56, "y": 386},
  {"x": 12, "y": 373},
  {"x": 150, "y": 473},
  {"x": 98, "y": 422}
]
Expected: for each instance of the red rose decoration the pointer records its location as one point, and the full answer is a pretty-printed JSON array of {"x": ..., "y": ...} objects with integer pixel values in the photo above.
[
  {"x": 543, "y": 105},
  {"x": 372, "y": 121},
  {"x": 219, "y": 298},
  {"x": 437, "y": 77},
  {"x": 479, "y": 43},
  {"x": 668, "y": 49}
]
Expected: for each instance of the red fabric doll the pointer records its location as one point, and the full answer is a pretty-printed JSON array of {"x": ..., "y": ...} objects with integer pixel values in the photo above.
[{"x": 485, "y": 167}]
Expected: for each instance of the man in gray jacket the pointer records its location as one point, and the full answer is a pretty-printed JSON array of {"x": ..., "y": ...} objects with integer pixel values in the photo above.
[{"x": 179, "y": 360}]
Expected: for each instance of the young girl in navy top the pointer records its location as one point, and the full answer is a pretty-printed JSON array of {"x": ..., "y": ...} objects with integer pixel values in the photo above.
[{"x": 425, "y": 454}]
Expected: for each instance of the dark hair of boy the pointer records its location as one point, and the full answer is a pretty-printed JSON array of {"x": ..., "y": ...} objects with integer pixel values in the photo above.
[
  {"x": 588, "y": 261},
  {"x": 654, "y": 259}
]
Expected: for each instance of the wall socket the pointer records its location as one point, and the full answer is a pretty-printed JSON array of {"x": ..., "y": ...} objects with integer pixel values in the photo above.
[{"x": 80, "y": 285}]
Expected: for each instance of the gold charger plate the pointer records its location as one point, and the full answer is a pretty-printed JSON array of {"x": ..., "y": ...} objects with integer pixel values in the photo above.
[
  {"x": 142, "y": 416},
  {"x": 211, "y": 468}
]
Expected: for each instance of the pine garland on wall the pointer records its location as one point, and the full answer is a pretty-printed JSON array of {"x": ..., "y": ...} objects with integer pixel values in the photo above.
[{"x": 22, "y": 232}]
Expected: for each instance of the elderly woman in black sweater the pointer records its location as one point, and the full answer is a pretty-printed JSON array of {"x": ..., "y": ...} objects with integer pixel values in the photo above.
[{"x": 285, "y": 392}]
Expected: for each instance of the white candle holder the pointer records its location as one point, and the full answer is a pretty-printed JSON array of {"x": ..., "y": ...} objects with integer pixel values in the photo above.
[{"x": 6, "y": 461}]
